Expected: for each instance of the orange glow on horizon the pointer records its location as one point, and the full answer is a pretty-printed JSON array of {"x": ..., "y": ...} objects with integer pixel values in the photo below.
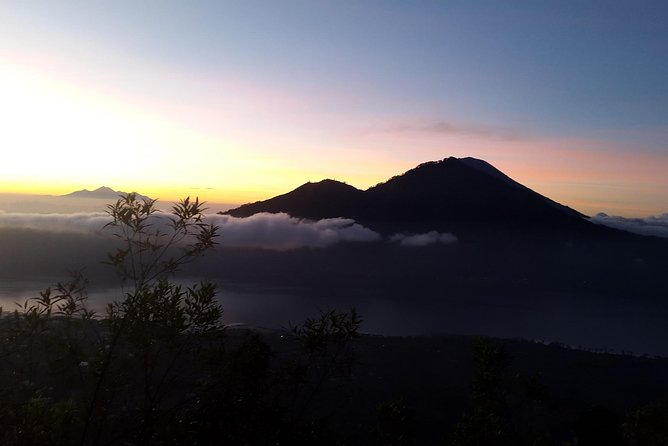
[{"x": 58, "y": 137}]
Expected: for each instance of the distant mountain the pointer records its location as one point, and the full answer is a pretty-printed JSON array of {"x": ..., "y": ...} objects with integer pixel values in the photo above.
[
  {"x": 452, "y": 195},
  {"x": 101, "y": 192}
]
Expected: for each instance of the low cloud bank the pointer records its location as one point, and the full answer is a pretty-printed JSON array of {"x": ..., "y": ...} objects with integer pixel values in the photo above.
[
  {"x": 655, "y": 225},
  {"x": 87, "y": 223},
  {"x": 270, "y": 231},
  {"x": 428, "y": 238},
  {"x": 280, "y": 231}
]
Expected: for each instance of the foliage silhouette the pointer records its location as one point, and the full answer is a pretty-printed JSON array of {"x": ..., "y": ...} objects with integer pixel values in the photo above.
[
  {"x": 501, "y": 403},
  {"x": 157, "y": 366},
  {"x": 647, "y": 425}
]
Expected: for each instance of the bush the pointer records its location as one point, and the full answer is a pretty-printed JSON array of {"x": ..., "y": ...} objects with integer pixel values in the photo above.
[{"x": 158, "y": 367}]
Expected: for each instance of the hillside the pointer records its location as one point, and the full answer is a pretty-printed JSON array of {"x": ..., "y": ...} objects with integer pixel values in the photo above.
[{"x": 460, "y": 195}]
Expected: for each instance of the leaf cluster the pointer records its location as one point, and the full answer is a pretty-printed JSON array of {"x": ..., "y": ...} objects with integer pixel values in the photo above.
[
  {"x": 154, "y": 246},
  {"x": 157, "y": 367}
]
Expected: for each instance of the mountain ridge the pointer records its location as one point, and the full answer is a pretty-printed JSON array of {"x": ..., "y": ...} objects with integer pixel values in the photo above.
[
  {"x": 101, "y": 192},
  {"x": 460, "y": 194}
]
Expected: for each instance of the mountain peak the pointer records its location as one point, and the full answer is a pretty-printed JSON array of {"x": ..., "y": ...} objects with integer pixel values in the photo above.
[
  {"x": 101, "y": 192},
  {"x": 452, "y": 194},
  {"x": 310, "y": 200},
  {"x": 327, "y": 185}
]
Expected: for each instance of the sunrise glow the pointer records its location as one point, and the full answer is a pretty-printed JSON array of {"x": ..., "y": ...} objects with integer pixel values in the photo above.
[{"x": 84, "y": 107}]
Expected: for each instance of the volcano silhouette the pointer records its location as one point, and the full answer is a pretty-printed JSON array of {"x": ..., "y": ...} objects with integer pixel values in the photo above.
[{"x": 455, "y": 194}]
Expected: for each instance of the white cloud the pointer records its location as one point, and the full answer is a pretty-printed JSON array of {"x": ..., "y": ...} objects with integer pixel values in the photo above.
[
  {"x": 655, "y": 225},
  {"x": 272, "y": 231},
  {"x": 76, "y": 223},
  {"x": 428, "y": 238},
  {"x": 280, "y": 231}
]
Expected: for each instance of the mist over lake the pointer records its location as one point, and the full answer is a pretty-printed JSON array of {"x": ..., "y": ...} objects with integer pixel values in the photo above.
[
  {"x": 579, "y": 321},
  {"x": 398, "y": 290}
]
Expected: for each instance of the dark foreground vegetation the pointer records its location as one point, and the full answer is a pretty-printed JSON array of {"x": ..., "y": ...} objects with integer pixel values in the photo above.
[{"x": 160, "y": 368}]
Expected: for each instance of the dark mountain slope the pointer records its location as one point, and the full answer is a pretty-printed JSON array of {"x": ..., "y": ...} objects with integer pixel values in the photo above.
[
  {"x": 454, "y": 194},
  {"x": 326, "y": 198},
  {"x": 485, "y": 167}
]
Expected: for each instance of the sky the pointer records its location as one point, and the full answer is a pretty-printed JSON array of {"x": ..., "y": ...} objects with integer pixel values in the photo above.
[{"x": 243, "y": 100}]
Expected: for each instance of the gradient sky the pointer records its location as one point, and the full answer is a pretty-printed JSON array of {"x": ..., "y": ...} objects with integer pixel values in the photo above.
[{"x": 240, "y": 101}]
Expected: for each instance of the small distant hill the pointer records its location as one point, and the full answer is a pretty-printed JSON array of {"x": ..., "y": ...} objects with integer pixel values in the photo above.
[
  {"x": 101, "y": 192},
  {"x": 453, "y": 194}
]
